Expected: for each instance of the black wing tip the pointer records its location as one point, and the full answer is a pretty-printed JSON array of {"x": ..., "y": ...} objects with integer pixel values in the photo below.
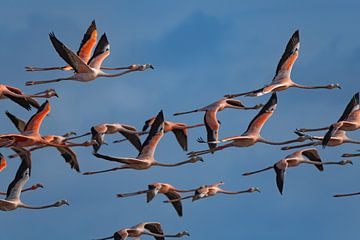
[
  {"x": 160, "y": 115},
  {"x": 93, "y": 23},
  {"x": 52, "y": 35},
  {"x": 104, "y": 39}
]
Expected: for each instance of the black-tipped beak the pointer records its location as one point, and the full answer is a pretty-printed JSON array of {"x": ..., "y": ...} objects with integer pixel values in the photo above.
[{"x": 152, "y": 67}]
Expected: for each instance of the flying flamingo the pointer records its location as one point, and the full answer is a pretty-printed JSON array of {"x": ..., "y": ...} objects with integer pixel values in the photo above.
[
  {"x": 129, "y": 132},
  {"x": 146, "y": 228},
  {"x": 87, "y": 44},
  {"x": 168, "y": 190},
  {"x": 178, "y": 129},
  {"x": 252, "y": 134},
  {"x": 66, "y": 152},
  {"x": 211, "y": 122},
  {"x": 26, "y": 101},
  {"x": 307, "y": 155},
  {"x": 282, "y": 79},
  {"x": 211, "y": 190},
  {"x": 31, "y": 136},
  {"x": 337, "y": 139},
  {"x": 349, "y": 120},
  {"x": 85, "y": 72},
  {"x": 12, "y": 200},
  {"x": 145, "y": 159}
]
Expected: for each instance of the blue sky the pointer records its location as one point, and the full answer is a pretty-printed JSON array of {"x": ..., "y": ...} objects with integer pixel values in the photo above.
[{"x": 201, "y": 50}]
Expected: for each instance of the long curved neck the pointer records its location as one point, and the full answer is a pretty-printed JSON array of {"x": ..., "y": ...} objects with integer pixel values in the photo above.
[
  {"x": 173, "y": 164},
  {"x": 22, "y": 205},
  {"x": 321, "y": 163},
  {"x": 277, "y": 143},
  {"x": 258, "y": 171},
  {"x": 103, "y": 74},
  {"x": 237, "y": 192},
  {"x": 310, "y": 87}
]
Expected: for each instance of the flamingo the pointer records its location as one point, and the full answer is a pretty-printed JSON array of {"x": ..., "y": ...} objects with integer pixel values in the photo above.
[
  {"x": 26, "y": 101},
  {"x": 145, "y": 159},
  {"x": 337, "y": 139},
  {"x": 12, "y": 200},
  {"x": 282, "y": 79},
  {"x": 86, "y": 46},
  {"x": 146, "y": 228},
  {"x": 211, "y": 122},
  {"x": 211, "y": 190},
  {"x": 31, "y": 136},
  {"x": 307, "y": 155},
  {"x": 66, "y": 152},
  {"x": 129, "y": 132},
  {"x": 86, "y": 71},
  {"x": 178, "y": 129},
  {"x": 168, "y": 190},
  {"x": 349, "y": 120},
  {"x": 252, "y": 134}
]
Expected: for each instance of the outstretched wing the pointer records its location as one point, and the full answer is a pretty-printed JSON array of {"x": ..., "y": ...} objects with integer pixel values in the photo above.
[
  {"x": 265, "y": 113},
  {"x": 155, "y": 134},
  {"x": 88, "y": 42},
  {"x": 352, "y": 106},
  {"x": 19, "y": 123},
  {"x": 280, "y": 174},
  {"x": 22, "y": 175},
  {"x": 177, "y": 204},
  {"x": 69, "y": 157},
  {"x": 102, "y": 50},
  {"x": 69, "y": 56},
  {"x": 289, "y": 57},
  {"x": 313, "y": 155},
  {"x": 155, "y": 227},
  {"x": 33, "y": 125}
]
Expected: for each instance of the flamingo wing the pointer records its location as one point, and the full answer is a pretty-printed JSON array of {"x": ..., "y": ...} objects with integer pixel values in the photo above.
[
  {"x": 22, "y": 175},
  {"x": 313, "y": 155},
  {"x": 69, "y": 56},
  {"x": 280, "y": 175},
  {"x": 351, "y": 106},
  {"x": 155, "y": 227},
  {"x": 34, "y": 123},
  {"x": 70, "y": 157},
  {"x": 156, "y": 132},
  {"x": 19, "y": 123},
  {"x": 88, "y": 42},
  {"x": 265, "y": 113},
  {"x": 101, "y": 51},
  {"x": 289, "y": 57},
  {"x": 177, "y": 204}
]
